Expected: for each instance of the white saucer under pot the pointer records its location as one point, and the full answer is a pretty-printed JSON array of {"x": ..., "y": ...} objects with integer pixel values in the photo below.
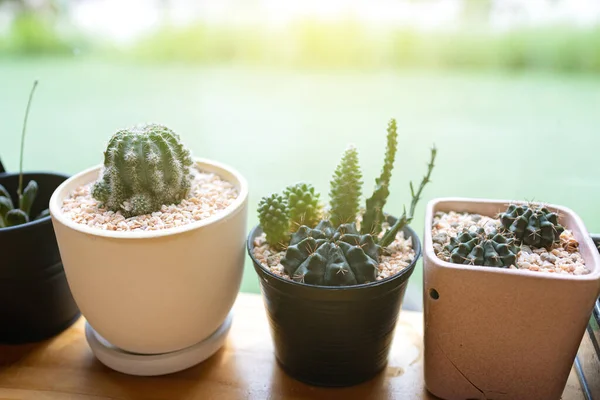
[
  {"x": 157, "y": 364},
  {"x": 155, "y": 292}
]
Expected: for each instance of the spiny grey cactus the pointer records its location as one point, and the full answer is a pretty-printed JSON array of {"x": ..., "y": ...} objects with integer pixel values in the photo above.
[
  {"x": 303, "y": 205},
  {"x": 345, "y": 189},
  {"x": 373, "y": 216},
  {"x": 145, "y": 167},
  {"x": 274, "y": 218},
  {"x": 328, "y": 256},
  {"x": 532, "y": 225},
  {"x": 483, "y": 249}
]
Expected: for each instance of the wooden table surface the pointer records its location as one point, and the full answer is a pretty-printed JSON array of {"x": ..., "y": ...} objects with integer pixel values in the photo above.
[{"x": 64, "y": 368}]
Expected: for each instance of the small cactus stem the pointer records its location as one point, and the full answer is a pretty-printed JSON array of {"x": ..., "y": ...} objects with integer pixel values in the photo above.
[
  {"x": 373, "y": 216},
  {"x": 20, "y": 189},
  {"x": 406, "y": 219}
]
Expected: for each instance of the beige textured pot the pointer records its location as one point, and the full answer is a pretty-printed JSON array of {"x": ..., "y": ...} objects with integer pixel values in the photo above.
[
  {"x": 495, "y": 333},
  {"x": 159, "y": 291}
]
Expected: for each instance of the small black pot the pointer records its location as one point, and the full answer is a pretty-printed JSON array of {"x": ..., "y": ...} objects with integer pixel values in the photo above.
[
  {"x": 35, "y": 300},
  {"x": 333, "y": 336}
]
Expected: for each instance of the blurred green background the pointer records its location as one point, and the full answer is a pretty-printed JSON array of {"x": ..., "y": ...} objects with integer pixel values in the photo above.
[{"x": 509, "y": 95}]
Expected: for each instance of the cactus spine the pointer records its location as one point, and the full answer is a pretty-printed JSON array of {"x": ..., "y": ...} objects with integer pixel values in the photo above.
[
  {"x": 346, "y": 189},
  {"x": 145, "y": 167},
  {"x": 373, "y": 216}
]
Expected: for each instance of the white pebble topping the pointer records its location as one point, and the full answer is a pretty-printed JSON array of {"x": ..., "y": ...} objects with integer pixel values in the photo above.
[{"x": 208, "y": 196}]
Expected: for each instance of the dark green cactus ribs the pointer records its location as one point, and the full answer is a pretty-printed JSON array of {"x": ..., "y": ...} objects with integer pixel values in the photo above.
[
  {"x": 145, "y": 167},
  {"x": 479, "y": 248},
  {"x": 373, "y": 216},
  {"x": 345, "y": 189},
  {"x": 273, "y": 215},
  {"x": 331, "y": 257},
  {"x": 303, "y": 205},
  {"x": 532, "y": 225},
  {"x": 9, "y": 215}
]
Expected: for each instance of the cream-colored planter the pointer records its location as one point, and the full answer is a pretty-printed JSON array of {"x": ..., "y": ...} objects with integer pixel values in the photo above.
[
  {"x": 503, "y": 334},
  {"x": 158, "y": 291}
]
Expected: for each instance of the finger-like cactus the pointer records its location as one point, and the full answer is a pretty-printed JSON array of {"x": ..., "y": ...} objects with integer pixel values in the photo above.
[
  {"x": 273, "y": 215},
  {"x": 331, "y": 257},
  {"x": 303, "y": 205},
  {"x": 346, "y": 189},
  {"x": 478, "y": 248},
  {"x": 373, "y": 216},
  {"x": 532, "y": 225},
  {"x": 145, "y": 167}
]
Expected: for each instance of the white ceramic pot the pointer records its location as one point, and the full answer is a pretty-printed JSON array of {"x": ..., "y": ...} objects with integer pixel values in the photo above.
[
  {"x": 157, "y": 291},
  {"x": 493, "y": 333}
]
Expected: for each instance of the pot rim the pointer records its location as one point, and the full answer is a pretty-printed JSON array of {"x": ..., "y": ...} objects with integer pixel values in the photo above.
[
  {"x": 579, "y": 225},
  {"x": 407, "y": 270},
  {"x": 34, "y": 223},
  {"x": 213, "y": 166}
]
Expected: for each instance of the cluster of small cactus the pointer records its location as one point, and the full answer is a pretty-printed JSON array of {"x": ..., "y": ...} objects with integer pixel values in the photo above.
[
  {"x": 145, "y": 167},
  {"x": 532, "y": 225},
  {"x": 327, "y": 248},
  {"x": 9, "y": 214},
  {"x": 484, "y": 249},
  {"x": 331, "y": 257},
  {"x": 281, "y": 214}
]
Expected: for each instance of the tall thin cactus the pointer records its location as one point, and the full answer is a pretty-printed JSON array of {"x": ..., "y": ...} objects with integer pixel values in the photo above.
[
  {"x": 345, "y": 189},
  {"x": 373, "y": 216}
]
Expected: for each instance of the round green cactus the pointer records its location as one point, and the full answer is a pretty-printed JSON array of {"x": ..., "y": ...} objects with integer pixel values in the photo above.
[
  {"x": 273, "y": 215},
  {"x": 331, "y": 257},
  {"x": 303, "y": 205},
  {"x": 346, "y": 189},
  {"x": 478, "y": 248},
  {"x": 145, "y": 167},
  {"x": 532, "y": 225}
]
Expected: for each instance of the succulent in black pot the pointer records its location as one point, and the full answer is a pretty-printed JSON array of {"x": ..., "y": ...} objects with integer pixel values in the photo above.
[
  {"x": 333, "y": 281},
  {"x": 35, "y": 300}
]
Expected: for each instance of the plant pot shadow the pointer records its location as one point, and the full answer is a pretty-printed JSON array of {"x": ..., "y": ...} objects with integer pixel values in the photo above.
[{"x": 12, "y": 354}]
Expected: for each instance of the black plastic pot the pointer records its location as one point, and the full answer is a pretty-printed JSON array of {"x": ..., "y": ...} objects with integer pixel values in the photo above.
[
  {"x": 35, "y": 300},
  {"x": 332, "y": 336}
]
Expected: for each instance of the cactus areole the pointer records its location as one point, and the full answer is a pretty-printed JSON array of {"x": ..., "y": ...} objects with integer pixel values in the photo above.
[{"x": 145, "y": 167}]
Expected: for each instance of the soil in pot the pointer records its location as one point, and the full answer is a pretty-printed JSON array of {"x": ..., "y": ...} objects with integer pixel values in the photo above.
[
  {"x": 35, "y": 300},
  {"x": 334, "y": 336}
]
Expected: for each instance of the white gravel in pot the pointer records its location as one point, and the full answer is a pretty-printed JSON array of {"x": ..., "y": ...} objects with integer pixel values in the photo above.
[
  {"x": 562, "y": 257},
  {"x": 209, "y": 195}
]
